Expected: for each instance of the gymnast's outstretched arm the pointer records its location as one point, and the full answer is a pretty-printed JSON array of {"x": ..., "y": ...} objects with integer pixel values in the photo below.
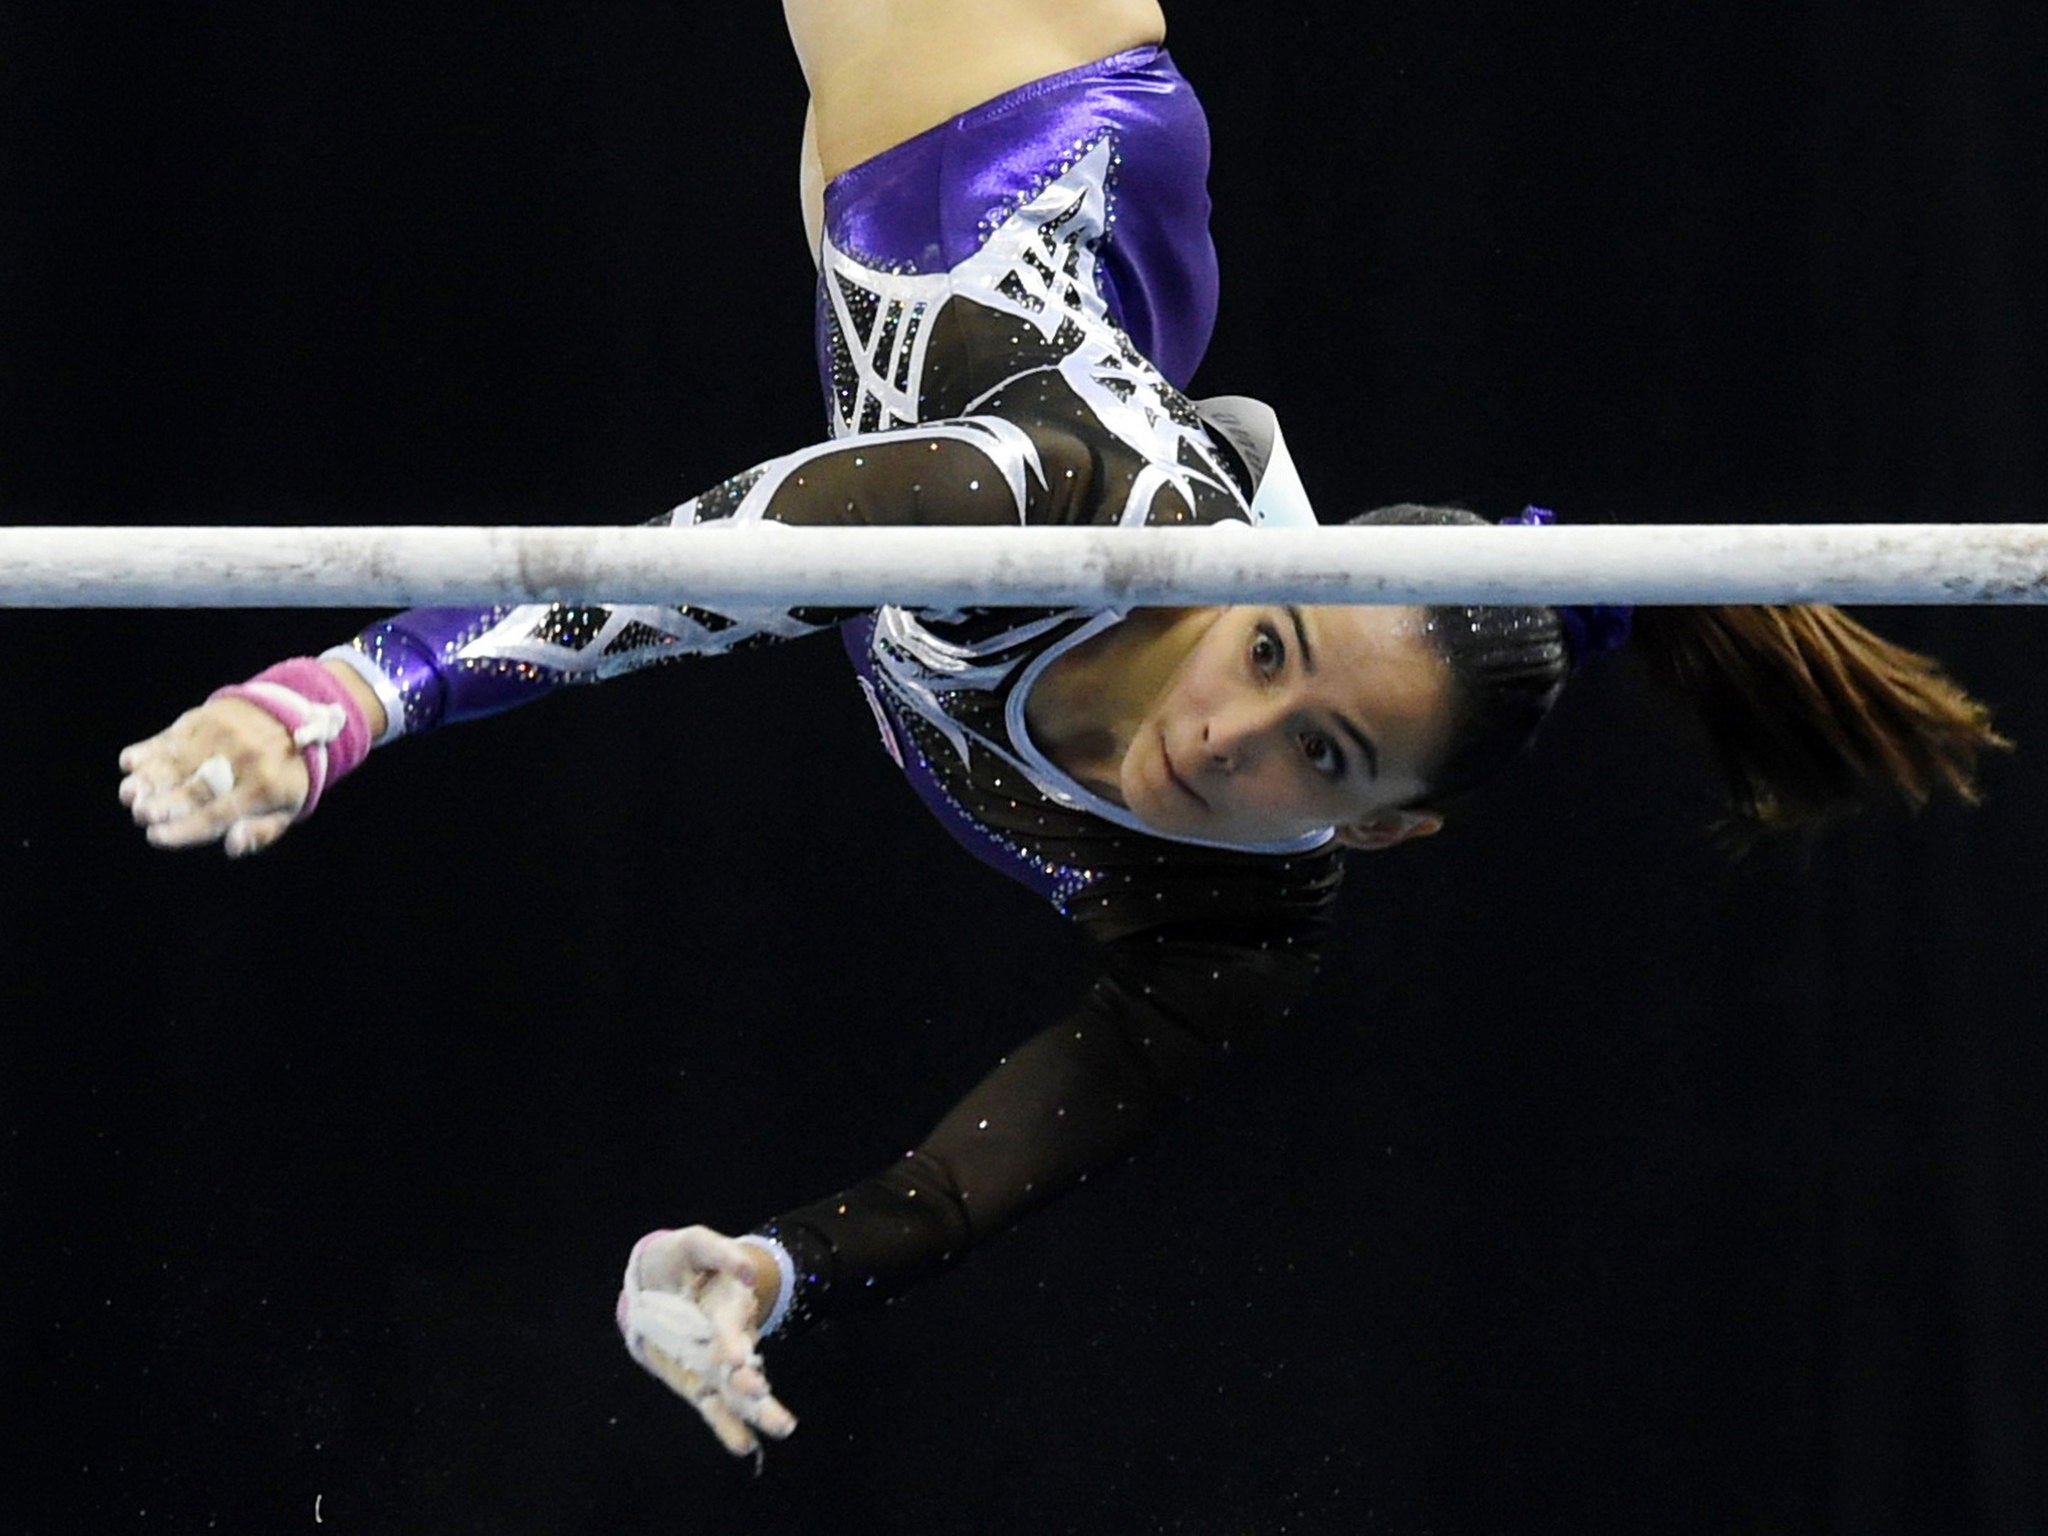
[
  {"x": 880, "y": 71},
  {"x": 242, "y": 767}
]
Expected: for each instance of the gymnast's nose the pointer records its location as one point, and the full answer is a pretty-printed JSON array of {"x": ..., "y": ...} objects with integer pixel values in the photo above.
[{"x": 1234, "y": 738}]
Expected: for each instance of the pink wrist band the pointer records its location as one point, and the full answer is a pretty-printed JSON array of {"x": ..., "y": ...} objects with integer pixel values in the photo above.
[{"x": 327, "y": 724}]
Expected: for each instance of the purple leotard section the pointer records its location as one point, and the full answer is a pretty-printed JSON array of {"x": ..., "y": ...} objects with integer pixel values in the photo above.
[{"x": 929, "y": 203}]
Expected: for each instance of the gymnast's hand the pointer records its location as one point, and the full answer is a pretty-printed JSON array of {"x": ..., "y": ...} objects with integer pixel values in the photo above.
[
  {"x": 225, "y": 772},
  {"x": 242, "y": 767},
  {"x": 691, "y": 1310}
]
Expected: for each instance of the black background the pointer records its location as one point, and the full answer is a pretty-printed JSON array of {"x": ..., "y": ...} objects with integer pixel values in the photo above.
[{"x": 1607, "y": 1186}]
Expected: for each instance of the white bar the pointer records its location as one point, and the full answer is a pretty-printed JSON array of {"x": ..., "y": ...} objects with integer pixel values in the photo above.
[{"x": 723, "y": 567}]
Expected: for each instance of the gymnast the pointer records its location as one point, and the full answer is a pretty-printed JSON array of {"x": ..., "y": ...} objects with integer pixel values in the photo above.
[{"x": 1007, "y": 201}]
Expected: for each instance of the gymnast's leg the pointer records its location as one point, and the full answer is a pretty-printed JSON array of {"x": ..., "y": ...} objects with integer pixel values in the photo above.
[{"x": 882, "y": 71}]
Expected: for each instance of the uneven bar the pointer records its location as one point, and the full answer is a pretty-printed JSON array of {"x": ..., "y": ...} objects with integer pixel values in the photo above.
[{"x": 752, "y": 567}]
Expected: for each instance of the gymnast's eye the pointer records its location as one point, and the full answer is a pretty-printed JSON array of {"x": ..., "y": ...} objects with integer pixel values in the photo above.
[
  {"x": 1322, "y": 754},
  {"x": 1268, "y": 653}
]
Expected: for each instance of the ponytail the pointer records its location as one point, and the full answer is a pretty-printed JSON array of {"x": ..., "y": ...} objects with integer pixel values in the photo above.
[{"x": 1812, "y": 717}]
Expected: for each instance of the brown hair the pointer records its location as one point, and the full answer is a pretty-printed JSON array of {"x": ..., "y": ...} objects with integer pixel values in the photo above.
[{"x": 1810, "y": 716}]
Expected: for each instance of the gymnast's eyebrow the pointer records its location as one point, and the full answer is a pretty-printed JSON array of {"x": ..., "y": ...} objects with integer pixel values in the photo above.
[
  {"x": 1366, "y": 749},
  {"x": 1308, "y": 657}
]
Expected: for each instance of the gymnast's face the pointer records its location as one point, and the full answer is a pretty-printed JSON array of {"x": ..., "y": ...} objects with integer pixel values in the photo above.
[{"x": 1281, "y": 721}]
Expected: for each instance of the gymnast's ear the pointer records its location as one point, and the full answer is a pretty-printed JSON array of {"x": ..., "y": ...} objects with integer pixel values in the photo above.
[{"x": 1383, "y": 829}]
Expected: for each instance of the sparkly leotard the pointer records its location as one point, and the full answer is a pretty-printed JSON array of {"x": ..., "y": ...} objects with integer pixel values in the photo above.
[{"x": 992, "y": 297}]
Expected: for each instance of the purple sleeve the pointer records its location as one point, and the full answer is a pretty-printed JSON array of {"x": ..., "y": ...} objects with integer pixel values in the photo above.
[{"x": 411, "y": 669}]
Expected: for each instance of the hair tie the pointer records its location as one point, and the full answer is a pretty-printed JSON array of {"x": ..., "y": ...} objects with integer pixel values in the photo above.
[{"x": 1590, "y": 629}]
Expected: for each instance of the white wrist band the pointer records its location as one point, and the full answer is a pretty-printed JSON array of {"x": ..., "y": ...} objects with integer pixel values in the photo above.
[
  {"x": 787, "y": 1291},
  {"x": 381, "y": 685}
]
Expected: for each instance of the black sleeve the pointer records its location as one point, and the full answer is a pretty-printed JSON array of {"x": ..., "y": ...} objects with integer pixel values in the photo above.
[{"x": 1170, "y": 1006}]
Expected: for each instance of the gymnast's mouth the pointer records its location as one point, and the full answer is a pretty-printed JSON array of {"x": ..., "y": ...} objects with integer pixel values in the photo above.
[{"x": 1179, "y": 783}]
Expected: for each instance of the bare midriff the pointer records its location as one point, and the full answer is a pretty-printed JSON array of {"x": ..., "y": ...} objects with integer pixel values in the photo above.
[{"x": 883, "y": 71}]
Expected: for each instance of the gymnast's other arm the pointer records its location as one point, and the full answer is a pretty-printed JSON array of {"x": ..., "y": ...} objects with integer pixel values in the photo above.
[{"x": 1080, "y": 1098}]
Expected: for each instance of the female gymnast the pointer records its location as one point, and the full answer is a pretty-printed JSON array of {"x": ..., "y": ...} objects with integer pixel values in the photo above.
[{"x": 1008, "y": 206}]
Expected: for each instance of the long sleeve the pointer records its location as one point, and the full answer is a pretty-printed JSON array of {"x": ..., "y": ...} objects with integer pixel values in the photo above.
[
  {"x": 436, "y": 666},
  {"x": 1170, "y": 1007}
]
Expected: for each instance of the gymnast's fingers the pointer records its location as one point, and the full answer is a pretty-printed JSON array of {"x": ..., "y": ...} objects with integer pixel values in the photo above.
[
  {"x": 729, "y": 1307},
  {"x": 140, "y": 791},
  {"x": 137, "y": 752},
  {"x": 150, "y": 773},
  {"x": 759, "y": 1407},
  {"x": 704, "y": 1249},
  {"x": 702, "y": 1395},
  {"x": 210, "y": 779},
  {"x": 163, "y": 761},
  {"x": 209, "y": 822},
  {"x": 262, "y": 790},
  {"x": 167, "y": 774},
  {"x": 253, "y": 834},
  {"x": 732, "y": 1433}
]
